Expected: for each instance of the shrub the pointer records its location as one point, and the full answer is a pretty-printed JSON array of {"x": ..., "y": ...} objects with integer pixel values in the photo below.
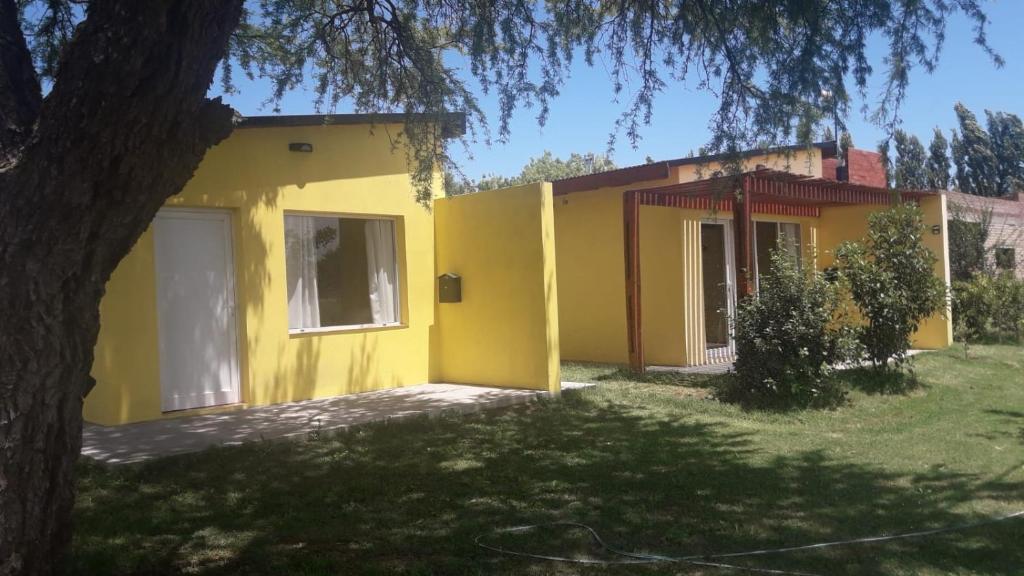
[
  {"x": 1009, "y": 297},
  {"x": 787, "y": 339},
  {"x": 974, "y": 306},
  {"x": 989, "y": 307},
  {"x": 892, "y": 281}
]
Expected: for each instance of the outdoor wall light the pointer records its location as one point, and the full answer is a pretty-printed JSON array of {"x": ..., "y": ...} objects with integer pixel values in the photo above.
[
  {"x": 300, "y": 147},
  {"x": 936, "y": 229}
]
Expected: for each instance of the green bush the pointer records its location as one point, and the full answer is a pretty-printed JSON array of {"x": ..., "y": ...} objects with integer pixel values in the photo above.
[
  {"x": 892, "y": 281},
  {"x": 1009, "y": 297},
  {"x": 989, "y": 308},
  {"x": 787, "y": 340},
  {"x": 974, "y": 306}
]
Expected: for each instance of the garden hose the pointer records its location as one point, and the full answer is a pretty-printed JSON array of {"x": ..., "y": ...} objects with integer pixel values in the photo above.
[{"x": 710, "y": 560}]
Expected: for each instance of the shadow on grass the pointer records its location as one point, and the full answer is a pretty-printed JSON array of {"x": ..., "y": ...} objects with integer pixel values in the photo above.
[
  {"x": 664, "y": 378},
  {"x": 409, "y": 498},
  {"x": 880, "y": 381},
  {"x": 1010, "y": 417}
]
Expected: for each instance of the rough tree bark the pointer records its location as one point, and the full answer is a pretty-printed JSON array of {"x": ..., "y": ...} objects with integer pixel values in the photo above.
[{"x": 82, "y": 173}]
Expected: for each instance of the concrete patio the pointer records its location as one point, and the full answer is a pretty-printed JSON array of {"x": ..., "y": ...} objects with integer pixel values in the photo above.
[{"x": 146, "y": 440}]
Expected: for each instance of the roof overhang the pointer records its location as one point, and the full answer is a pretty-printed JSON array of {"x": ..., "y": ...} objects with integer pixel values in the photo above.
[
  {"x": 453, "y": 124},
  {"x": 661, "y": 170}
]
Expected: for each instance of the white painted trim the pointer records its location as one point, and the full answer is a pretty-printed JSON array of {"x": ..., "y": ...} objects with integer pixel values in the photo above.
[
  {"x": 345, "y": 328},
  {"x": 398, "y": 271},
  {"x": 724, "y": 353}
]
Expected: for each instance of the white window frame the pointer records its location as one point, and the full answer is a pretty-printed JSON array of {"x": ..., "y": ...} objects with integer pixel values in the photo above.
[{"x": 400, "y": 323}]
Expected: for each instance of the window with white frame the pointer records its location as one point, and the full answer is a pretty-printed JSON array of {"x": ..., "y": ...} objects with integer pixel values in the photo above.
[{"x": 342, "y": 272}]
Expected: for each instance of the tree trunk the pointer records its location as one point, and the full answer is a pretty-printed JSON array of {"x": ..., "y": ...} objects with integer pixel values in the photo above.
[{"x": 123, "y": 128}]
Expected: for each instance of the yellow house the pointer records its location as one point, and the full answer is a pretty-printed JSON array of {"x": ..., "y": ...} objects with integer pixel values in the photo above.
[
  {"x": 651, "y": 258},
  {"x": 297, "y": 264}
]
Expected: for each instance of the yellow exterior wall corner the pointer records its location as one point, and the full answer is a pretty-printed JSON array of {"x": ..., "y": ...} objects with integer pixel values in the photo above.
[{"x": 504, "y": 332}]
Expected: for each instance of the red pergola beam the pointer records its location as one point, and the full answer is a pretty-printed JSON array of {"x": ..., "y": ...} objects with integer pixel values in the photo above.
[{"x": 634, "y": 329}]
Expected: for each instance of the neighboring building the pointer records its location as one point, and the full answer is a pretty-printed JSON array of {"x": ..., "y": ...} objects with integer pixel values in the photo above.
[
  {"x": 297, "y": 264},
  {"x": 651, "y": 258},
  {"x": 1006, "y": 231}
]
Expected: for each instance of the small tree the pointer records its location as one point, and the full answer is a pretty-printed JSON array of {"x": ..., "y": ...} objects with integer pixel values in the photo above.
[
  {"x": 973, "y": 307},
  {"x": 892, "y": 281},
  {"x": 938, "y": 165},
  {"x": 788, "y": 338},
  {"x": 968, "y": 242}
]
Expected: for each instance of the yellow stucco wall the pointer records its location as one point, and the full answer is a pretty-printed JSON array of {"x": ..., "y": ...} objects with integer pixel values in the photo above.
[
  {"x": 842, "y": 223},
  {"x": 504, "y": 334},
  {"x": 501, "y": 243},
  {"x": 254, "y": 177}
]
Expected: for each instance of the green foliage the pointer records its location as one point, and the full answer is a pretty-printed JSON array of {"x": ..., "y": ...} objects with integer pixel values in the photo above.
[
  {"x": 892, "y": 281},
  {"x": 909, "y": 168},
  {"x": 766, "y": 63},
  {"x": 1006, "y": 132},
  {"x": 887, "y": 162},
  {"x": 788, "y": 337},
  {"x": 968, "y": 242},
  {"x": 547, "y": 167},
  {"x": 938, "y": 165},
  {"x": 544, "y": 168},
  {"x": 988, "y": 308},
  {"x": 974, "y": 305},
  {"x": 976, "y": 162}
]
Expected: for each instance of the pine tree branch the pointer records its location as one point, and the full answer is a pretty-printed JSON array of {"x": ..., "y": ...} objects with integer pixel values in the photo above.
[{"x": 20, "y": 95}]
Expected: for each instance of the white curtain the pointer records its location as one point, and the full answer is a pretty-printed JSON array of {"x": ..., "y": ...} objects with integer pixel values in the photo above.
[
  {"x": 300, "y": 263},
  {"x": 380, "y": 260},
  {"x": 789, "y": 240}
]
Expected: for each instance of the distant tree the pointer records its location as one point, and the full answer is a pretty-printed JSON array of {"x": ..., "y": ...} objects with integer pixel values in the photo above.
[
  {"x": 827, "y": 135},
  {"x": 544, "y": 168},
  {"x": 976, "y": 162},
  {"x": 845, "y": 143},
  {"x": 885, "y": 152},
  {"x": 909, "y": 167},
  {"x": 938, "y": 164},
  {"x": 846, "y": 140},
  {"x": 1006, "y": 132},
  {"x": 958, "y": 155}
]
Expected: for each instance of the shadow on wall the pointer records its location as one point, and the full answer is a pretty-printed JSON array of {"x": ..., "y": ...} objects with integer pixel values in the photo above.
[{"x": 411, "y": 497}]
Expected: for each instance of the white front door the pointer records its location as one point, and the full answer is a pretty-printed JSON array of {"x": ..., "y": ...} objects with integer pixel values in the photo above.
[{"x": 196, "y": 309}]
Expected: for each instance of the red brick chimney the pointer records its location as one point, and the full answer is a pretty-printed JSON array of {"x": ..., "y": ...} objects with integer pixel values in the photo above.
[{"x": 864, "y": 168}]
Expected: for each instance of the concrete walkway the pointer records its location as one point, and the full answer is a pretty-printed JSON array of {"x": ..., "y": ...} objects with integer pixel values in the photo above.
[{"x": 146, "y": 440}]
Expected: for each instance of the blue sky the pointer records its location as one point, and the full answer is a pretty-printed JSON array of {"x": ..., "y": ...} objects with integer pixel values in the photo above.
[{"x": 583, "y": 116}]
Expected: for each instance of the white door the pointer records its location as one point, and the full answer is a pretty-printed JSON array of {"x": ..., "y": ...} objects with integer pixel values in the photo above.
[
  {"x": 196, "y": 309},
  {"x": 718, "y": 262}
]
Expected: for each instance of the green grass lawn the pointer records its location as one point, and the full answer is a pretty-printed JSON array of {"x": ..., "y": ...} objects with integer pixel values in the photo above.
[{"x": 654, "y": 466}]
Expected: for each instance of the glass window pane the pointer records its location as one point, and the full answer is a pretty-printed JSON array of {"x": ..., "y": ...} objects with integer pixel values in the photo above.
[
  {"x": 789, "y": 240},
  {"x": 766, "y": 235},
  {"x": 341, "y": 272}
]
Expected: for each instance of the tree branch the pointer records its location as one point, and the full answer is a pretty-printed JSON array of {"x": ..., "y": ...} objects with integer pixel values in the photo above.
[{"x": 20, "y": 95}]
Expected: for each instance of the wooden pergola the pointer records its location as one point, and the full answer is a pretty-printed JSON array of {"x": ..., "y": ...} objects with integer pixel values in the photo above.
[{"x": 763, "y": 191}]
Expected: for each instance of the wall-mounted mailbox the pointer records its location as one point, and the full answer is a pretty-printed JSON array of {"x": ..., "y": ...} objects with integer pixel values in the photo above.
[{"x": 449, "y": 288}]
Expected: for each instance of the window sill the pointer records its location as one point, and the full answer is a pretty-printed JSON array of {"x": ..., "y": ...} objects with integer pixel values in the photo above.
[{"x": 292, "y": 332}]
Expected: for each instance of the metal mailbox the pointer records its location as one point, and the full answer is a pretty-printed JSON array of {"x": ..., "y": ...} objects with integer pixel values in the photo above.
[{"x": 449, "y": 288}]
